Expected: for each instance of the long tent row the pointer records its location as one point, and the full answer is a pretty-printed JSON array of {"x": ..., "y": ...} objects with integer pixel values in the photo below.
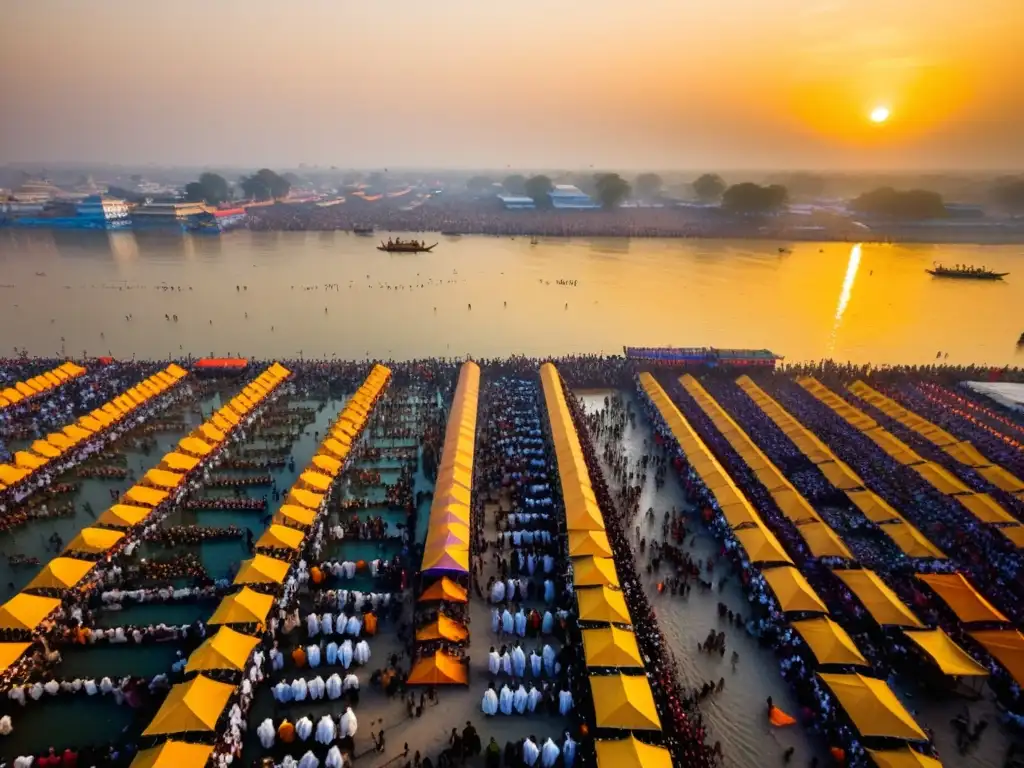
[
  {"x": 907, "y": 538},
  {"x": 27, "y": 611},
  {"x": 869, "y": 703},
  {"x": 819, "y": 537},
  {"x": 961, "y": 451},
  {"x": 622, "y": 698},
  {"x": 37, "y": 385},
  {"x": 196, "y": 706},
  {"x": 57, "y": 444},
  {"x": 446, "y": 550},
  {"x": 982, "y": 506}
]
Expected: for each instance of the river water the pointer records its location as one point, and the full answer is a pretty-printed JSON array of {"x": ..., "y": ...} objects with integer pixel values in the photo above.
[{"x": 73, "y": 291}]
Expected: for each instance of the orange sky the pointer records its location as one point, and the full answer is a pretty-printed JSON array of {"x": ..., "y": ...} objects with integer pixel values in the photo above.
[{"x": 530, "y": 83}]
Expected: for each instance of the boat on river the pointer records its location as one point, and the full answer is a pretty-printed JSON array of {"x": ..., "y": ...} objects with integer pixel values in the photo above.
[
  {"x": 362, "y": 230},
  {"x": 964, "y": 272},
  {"x": 406, "y": 246}
]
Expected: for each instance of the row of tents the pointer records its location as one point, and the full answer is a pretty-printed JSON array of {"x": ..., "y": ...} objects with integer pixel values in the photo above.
[
  {"x": 869, "y": 703},
  {"x": 449, "y": 531},
  {"x": 907, "y": 538},
  {"x": 981, "y": 505},
  {"x": 27, "y": 610},
  {"x": 42, "y": 452},
  {"x": 621, "y": 693},
  {"x": 44, "y": 382},
  {"x": 196, "y": 706}
]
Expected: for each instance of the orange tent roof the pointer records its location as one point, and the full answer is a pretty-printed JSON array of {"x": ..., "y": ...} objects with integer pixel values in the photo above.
[
  {"x": 439, "y": 669},
  {"x": 444, "y": 589}
]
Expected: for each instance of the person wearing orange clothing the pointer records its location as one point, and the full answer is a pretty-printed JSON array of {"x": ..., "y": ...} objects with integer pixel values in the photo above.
[
  {"x": 286, "y": 731},
  {"x": 370, "y": 624},
  {"x": 316, "y": 575},
  {"x": 299, "y": 656}
]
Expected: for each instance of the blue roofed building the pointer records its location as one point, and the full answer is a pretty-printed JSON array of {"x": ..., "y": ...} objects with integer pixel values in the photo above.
[
  {"x": 517, "y": 202},
  {"x": 568, "y": 197}
]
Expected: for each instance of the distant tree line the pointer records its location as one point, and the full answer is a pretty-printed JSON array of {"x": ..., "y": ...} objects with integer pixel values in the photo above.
[
  {"x": 1008, "y": 194},
  {"x": 900, "y": 204},
  {"x": 265, "y": 184}
]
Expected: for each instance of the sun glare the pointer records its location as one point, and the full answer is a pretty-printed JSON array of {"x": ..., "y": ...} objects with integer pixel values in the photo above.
[{"x": 879, "y": 114}]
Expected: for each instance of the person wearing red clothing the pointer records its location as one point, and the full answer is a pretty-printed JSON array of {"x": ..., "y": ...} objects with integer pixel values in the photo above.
[
  {"x": 69, "y": 759},
  {"x": 49, "y": 760}
]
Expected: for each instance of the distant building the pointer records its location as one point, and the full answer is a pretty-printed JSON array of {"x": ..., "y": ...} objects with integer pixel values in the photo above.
[
  {"x": 187, "y": 217},
  {"x": 91, "y": 212},
  {"x": 517, "y": 202},
  {"x": 571, "y": 198}
]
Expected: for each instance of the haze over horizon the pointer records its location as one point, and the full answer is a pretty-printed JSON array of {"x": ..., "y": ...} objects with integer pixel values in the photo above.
[{"x": 740, "y": 84}]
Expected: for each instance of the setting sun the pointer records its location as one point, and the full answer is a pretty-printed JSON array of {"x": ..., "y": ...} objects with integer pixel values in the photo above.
[{"x": 879, "y": 114}]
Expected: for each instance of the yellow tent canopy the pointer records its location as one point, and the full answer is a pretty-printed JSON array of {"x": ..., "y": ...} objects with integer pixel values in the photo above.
[
  {"x": 295, "y": 514},
  {"x": 124, "y": 515},
  {"x": 1014, "y": 534},
  {"x": 611, "y": 647},
  {"x": 245, "y": 607},
  {"x": 44, "y": 448},
  {"x": 940, "y": 478},
  {"x": 840, "y": 475},
  {"x": 221, "y": 423},
  {"x": 180, "y": 462},
  {"x": 94, "y": 541},
  {"x": 192, "y": 706},
  {"x": 445, "y": 534},
  {"x": 304, "y": 498},
  {"x": 280, "y": 537},
  {"x": 874, "y": 507},
  {"x": 985, "y": 508},
  {"x": 792, "y": 590},
  {"x": 442, "y": 629},
  {"x": 315, "y": 480},
  {"x": 211, "y": 433},
  {"x": 61, "y": 573},
  {"x": 29, "y": 460},
  {"x": 446, "y": 558},
  {"x": 589, "y": 543},
  {"x": 965, "y": 453},
  {"x": 10, "y": 653},
  {"x": 1007, "y": 647},
  {"x": 949, "y": 657},
  {"x": 630, "y": 753},
  {"x": 911, "y": 541},
  {"x": 10, "y": 474},
  {"x": 624, "y": 702},
  {"x": 1002, "y": 479},
  {"x": 878, "y": 600},
  {"x": 594, "y": 572},
  {"x": 164, "y": 479},
  {"x": 227, "y": 649},
  {"x": 26, "y": 611},
  {"x": 581, "y": 514},
  {"x": 904, "y": 757},
  {"x": 822, "y": 541},
  {"x": 873, "y": 707},
  {"x": 602, "y": 604},
  {"x": 963, "y": 599},
  {"x": 150, "y": 497},
  {"x": 262, "y": 570},
  {"x": 335, "y": 448},
  {"x": 173, "y": 754},
  {"x": 327, "y": 464},
  {"x": 195, "y": 446},
  {"x": 444, "y": 589},
  {"x": 439, "y": 669},
  {"x": 761, "y": 545},
  {"x": 829, "y": 642}
]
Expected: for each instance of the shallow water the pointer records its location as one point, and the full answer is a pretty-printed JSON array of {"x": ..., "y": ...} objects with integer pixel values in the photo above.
[{"x": 864, "y": 303}]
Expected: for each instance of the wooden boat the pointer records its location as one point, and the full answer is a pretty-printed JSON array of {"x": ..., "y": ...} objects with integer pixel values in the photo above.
[
  {"x": 413, "y": 246},
  {"x": 362, "y": 230},
  {"x": 961, "y": 272}
]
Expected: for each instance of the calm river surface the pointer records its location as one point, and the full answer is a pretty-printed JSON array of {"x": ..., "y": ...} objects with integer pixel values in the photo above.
[{"x": 850, "y": 302}]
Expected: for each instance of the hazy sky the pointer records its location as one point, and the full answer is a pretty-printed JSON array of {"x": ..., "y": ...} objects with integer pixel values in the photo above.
[{"x": 618, "y": 84}]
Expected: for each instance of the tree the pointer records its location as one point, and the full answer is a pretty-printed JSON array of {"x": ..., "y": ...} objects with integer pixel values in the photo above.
[
  {"x": 748, "y": 197},
  {"x": 901, "y": 204},
  {"x": 515, "y": 184},
  {"x": 611, "y": 189},
  {"x": 479, "y": 184},
  {"x": 265, "y": 185},
  {"x": 216, "y": 189},
  {"x": 194, "y": 192},
  {"x": 538, "y": 188},
  {"x": 709, "y": 187},
  {"x": 648, "y": 185},
  {"x": 1008, "y": 194}
]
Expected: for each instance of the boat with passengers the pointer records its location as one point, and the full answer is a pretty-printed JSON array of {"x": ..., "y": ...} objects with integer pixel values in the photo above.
[
  {"x": 406, "y": 246},
  {"x": 965, "y": 272}
]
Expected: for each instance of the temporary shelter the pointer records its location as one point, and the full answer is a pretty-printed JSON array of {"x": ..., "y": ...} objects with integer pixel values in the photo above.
[
  {"x": 602, "y": 604},
  {"x": 61, "y": 573},
  {"x": 227, "y": 649},
  {"x": 245, "y": 607},
  {"x": 589, "y": 544},
  {"x": 94, "y": 541},
  {"x": 304, "y": 498},
  {"x": 174, "y": 754},
  {"x": 10, "y": 653},
  {"x": 280, "y": 537},
  {"x": 316, "y": 480},
  {"x": 793, "y": 591},
  {"x": 191, "y": 707},
  {"x": 1007, "y": 647},
  {"x": 444, "y": 589},
  {"x": 949, "y": 657},
  {"x": 910, "y": 540},
  {"x": 180, "y": 462},
  {"x": 624, "y": 702},
  {"x": 27, "y": 612},
  {"x": 594, "y": 572},
  {"x": 630, "y": 753},
  {"x": 161, "y": 478},
  {"x": 829, "y": 642},
  {"x": 262, "y": 570},
  {"x": 761, "y": 545},
  {"x": 442, "y": 629},
  {"x": 439, "y": 669},
  {"x": 904, "y": 757},
  {"x": 150, "y": 497},
  {"x": 878, "y": 600},
  {"x": 445, "y": 558},
  {"x": 873, "y": 708},
  {"x": 611, "y": 647},
  {"x": 295, "y": 514},
  {"x": 963, "y": 599}
]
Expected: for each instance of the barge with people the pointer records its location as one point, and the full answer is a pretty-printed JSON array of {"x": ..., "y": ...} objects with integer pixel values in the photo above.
[
  {"x": 405, "y": 246},
  {"x": 965, "y": 272},
  {"x": 704, "y": 356}
]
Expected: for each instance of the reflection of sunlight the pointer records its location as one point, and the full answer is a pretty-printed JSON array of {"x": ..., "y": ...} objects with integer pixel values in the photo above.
[
  {"x": 124, "y": 247},
  {"x": 844, "y": 295}
]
